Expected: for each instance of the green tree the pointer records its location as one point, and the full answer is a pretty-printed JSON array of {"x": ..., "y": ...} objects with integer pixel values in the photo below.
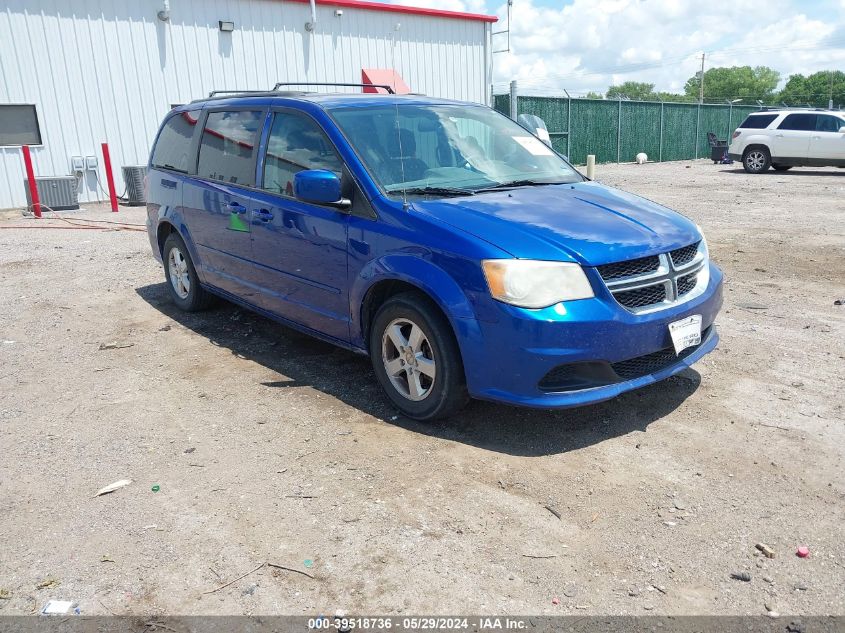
[
  {"x": 593, "y": 95},
  {"x": 814, "y": 89},
  {"x": 634, "y": 90},
  {"x": 674, "y": 97},
  {"x": 743, "y": 82}
]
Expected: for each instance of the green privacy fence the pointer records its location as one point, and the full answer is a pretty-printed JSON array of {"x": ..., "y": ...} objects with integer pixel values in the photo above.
[{"x": 617, "y": 130}]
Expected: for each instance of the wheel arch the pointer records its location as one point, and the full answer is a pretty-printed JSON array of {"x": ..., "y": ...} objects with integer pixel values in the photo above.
[
  {"x": 393, "y": 275},
  {"x": 756, "y": 145}
]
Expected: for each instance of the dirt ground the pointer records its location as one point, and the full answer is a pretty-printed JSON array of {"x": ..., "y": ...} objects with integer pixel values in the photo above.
[{"x": 269, "y": 446}]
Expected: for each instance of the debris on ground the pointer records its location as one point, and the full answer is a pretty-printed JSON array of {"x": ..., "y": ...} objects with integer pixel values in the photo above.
[
  {"x": 767, "y": 551},
  {"x": 555, "y": 600},
  {"x": 105, "y": 558},
  {"x": 48, "y": 583},
  {"x": 155, "y": 488},
  {"x": 553, "y": 510},
  {"x": 5, "y": 594},
  {"x": 57, "y": 607},
  {"x": 803, "y": 551},
  {"x": 112, "y": 487},
  {"x": 232, "y": 582},
  {"x": 839, "y": 302},
  {"x": 744, "y": 576},
  {"x": 105, "y": 346},
  {"x": 296, "y": 571}
]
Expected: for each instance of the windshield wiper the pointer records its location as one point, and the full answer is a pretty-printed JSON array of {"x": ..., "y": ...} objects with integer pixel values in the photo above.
[
  {"x": 518, "y": 183},
  {"x": 435, "y": 191}
]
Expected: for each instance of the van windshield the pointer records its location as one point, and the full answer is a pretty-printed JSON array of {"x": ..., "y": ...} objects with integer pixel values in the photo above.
[{"x": 442, "y": 149}]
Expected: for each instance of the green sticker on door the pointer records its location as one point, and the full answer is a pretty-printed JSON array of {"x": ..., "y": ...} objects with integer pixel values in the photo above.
[{"x": 236, "y": 223}]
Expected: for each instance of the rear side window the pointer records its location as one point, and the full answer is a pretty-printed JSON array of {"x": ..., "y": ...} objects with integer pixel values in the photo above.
[
  {"x": 174, "y": 142},
  {"x": 758, "y": 121},
  {"x": 827, "y": 123},
  {"x": 227, "y": 150},
  {"x": 296, "y": 143},
  {"x": 801, "y": 122}
]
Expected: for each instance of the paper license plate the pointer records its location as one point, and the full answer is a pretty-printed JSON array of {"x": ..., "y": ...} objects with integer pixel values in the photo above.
[{"x": 686, "y": 332}]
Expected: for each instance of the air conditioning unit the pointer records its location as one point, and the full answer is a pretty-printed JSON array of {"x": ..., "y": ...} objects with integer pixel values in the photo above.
[
  {"x": 57, "y": 192},
  {"x": 133, "y": 176}
]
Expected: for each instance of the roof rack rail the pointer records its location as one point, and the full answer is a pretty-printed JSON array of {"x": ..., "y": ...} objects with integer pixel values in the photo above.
[
  {"x": 214, "y": 93},
  {"x": 299, "y": 83}
]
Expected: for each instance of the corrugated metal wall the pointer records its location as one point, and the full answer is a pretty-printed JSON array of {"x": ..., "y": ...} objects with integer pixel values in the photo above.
[
  {"x": 614, "y": 130},
  {"x": 109, "y": 70}
]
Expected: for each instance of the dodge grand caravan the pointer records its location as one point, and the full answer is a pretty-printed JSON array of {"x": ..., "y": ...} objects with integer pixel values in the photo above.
[{"x": 444, "y": 240}]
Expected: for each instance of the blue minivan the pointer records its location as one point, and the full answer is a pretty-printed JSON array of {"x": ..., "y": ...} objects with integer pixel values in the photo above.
[{"x": 455, "y": 248}]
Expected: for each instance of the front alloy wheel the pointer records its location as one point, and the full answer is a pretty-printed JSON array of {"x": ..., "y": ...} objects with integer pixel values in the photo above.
[
  {"x": 416, "y": 357},
  {"x": 408, "y": 359}
]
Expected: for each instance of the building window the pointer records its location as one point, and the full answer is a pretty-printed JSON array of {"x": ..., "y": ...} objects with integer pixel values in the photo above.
[
  {"x": 227, "y": 150},
  {"x": 19, "y": 125}
]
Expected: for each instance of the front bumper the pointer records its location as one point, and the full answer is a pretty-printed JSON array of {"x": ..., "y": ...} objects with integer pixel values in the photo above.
[{"x": 514, "y": 353}]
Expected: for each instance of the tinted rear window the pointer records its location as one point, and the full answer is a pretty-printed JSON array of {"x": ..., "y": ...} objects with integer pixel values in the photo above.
[
  {"x": 801, "y": 122},
  {"x": 227, "y": 150},
  {"x": 174, "y": 143},
  {"x": 827, "y": 123},
  {"x": 758, "y": 121}
]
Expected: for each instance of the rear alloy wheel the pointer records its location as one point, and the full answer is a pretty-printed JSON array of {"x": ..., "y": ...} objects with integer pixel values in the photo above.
[
  {"x": 182, "y": 280},
  {"x": 781, "y": 167},
  {"x": 756, "y": 160},
  {"x": 416, "y": 358}
]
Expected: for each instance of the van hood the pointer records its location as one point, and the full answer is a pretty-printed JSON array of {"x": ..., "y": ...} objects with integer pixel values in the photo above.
[{"x": 585, "y": 222}]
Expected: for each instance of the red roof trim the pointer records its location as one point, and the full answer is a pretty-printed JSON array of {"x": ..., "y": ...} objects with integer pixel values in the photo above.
[{"x": 398, "y": 8}]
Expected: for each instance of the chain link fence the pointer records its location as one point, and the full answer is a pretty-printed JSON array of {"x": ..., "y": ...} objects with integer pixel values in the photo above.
[{"x": 617, "y": 130}]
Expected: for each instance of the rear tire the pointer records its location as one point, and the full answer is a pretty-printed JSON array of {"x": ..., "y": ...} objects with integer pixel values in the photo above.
[
  {"x": 183, "y": 282},
  {"x": 781, "y": 167},
  {"x": 756, "y": 160},
  {"x": 416, "y": 358}
]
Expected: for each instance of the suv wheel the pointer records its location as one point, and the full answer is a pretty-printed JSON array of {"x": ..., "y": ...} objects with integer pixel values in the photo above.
[
  {"x": 416, "y": 358},
  {"x": 756, "y": 160},
  {"x": 182, "y": 280}
]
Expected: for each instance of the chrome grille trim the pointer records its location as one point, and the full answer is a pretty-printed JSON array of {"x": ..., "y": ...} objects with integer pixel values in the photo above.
[{"x": 668, "y": 275}]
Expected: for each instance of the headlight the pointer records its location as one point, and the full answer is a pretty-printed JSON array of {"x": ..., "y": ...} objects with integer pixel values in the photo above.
[
  {"x": 702, "y": 245},
  {"x": 535, "y": 284}
]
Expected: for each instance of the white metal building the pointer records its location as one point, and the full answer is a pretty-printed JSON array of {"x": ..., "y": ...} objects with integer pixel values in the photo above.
[{"x": 76, "y": 74}]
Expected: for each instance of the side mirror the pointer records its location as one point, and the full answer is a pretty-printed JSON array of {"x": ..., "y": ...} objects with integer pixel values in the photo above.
[
  {"x": 536, "y": 126},
  {"x": 842, "y": 129},
  {"x": 319, "y": 186}
]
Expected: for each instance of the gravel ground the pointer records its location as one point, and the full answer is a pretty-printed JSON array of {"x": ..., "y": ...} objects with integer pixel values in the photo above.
[{"x": 269, "y": 446}]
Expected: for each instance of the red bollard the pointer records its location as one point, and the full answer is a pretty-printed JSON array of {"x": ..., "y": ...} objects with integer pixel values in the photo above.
[
  {"x": 109, "y": 177},
  {"x": 30, "y": 177}
]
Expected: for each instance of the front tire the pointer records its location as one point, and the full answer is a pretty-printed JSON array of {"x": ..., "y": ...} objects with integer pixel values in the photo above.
[
  {"x": 756, "y": 160},
  {"x": 416, "y": 358},
  {"x": 182, "y": 279}
]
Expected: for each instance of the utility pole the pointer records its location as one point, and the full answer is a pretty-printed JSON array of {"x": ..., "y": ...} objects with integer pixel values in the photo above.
[
  {"x": 830, "y": 100},
  {"x": 701, "y": 81}
]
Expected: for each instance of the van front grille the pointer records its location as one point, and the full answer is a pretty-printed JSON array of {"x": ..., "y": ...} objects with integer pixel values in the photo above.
[
  {"x": 639, "y": 266},
  {"x": 651, "y": 283}
]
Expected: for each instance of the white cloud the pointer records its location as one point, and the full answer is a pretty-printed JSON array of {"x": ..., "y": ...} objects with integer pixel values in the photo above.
[{"x": 591, "y": 44}]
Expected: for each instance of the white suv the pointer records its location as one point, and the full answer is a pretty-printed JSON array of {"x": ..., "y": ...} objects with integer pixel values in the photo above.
[{"x": 789, "y": 138}]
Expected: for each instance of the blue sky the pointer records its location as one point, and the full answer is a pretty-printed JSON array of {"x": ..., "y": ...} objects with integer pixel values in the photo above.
[{"x": 583, "y": 45}]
